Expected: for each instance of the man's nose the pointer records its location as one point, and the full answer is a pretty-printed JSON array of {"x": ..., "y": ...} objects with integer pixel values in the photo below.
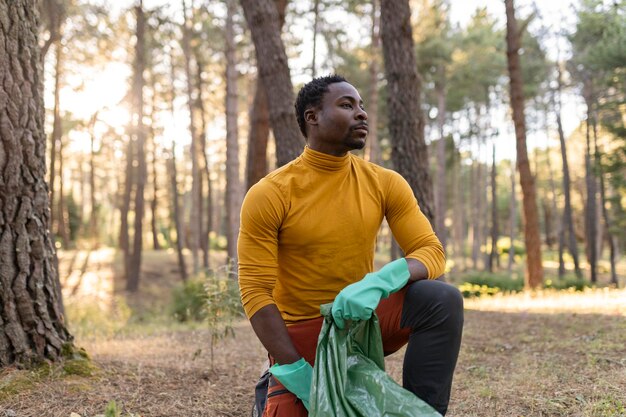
[{"x": 361, "y": 114}]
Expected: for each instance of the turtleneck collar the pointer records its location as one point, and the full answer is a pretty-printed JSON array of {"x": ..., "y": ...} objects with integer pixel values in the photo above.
[{"x": 323, "y": 161}]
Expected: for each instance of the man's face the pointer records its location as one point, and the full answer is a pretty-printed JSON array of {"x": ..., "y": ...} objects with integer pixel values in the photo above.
[{"x": 340, "y": 122}]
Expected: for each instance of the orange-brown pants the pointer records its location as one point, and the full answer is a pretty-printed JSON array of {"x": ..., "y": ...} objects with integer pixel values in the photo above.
[{"x": 282, "y": 403}]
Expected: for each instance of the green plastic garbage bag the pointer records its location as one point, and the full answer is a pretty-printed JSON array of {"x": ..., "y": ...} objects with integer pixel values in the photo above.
[{"x": 349, "y": 378}]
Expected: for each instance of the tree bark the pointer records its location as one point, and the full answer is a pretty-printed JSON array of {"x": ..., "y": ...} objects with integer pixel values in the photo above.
[
  {"x": 409, "y": 153},
  {"x": 62, "y": 218},
  {"x": 233, "y": 183},
  {"x": 32, "y": 326},
  {"x": 132, "y": 280},
  {"x": 263, "y": 20},
  {"x": 316, "y": 19},
  {"x": 534, "y": 268},
  {"x": 124, "y": 238},
  {"x": 257, "y": 167}
]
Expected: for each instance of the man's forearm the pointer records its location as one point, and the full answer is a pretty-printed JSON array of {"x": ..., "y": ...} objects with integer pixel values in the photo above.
[
  {"x": 271, "y": 330},
  {"x": 417, "y": 270}
]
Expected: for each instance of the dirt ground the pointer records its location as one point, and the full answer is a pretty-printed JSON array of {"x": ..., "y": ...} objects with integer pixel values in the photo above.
[{"x": 527, "y": 361}]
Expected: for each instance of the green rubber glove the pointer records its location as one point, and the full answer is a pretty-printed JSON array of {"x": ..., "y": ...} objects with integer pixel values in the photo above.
[
  {"x": 296, "y": 377},
  {"x": 357, "y": 301}
]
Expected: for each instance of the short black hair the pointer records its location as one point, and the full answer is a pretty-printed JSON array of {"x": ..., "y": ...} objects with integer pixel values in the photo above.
[{"x": 310, "y": 95}]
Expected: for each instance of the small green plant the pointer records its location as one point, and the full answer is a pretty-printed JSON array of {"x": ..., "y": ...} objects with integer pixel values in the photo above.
[
  {"x": 112, "y": 410},
  {"x": 568, "y": 282},
  {"x": 189, "y": 301},
  {"x": 223, "y": 304},
  {"x": 485, "y": 284}
]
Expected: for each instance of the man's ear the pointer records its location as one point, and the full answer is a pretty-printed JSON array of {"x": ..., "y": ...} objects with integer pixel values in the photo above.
[{"x": 310, "y": 116}]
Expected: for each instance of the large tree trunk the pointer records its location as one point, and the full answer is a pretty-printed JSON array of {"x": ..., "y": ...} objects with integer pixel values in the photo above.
[
  {"x": 373, "y": 145},
  {"x": 258, "y": 134},
  {"x": 409, "y": 153},
  {"x": 534, "y": 268},
  {"x": 567, "y": 221},
  {"x": 273, "y": 69},
  {"x": 233, "y": 184},
  {"x": 194, "y": 218},
  {"x": 31, "y": 319},
  {"x": 132, "y": 280}
]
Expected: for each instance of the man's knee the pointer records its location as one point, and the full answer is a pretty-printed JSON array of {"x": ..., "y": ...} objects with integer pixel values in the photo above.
[{"x": 432, "y": 301}]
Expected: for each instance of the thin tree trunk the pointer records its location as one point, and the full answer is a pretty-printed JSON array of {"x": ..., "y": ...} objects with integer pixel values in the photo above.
[
  {"x": 316, "y": 19},
  {"x": 373, "y": 146},
  {"x": 409, "y": 153},
  {"x": 264, "y": 23},
  {"x": 124, "y": 238},
  {"x": 32, "y": 325},
  {"x": 204, "y": 230},
  {"x": 513, "y": 219},
  {"x": 534, "y": 267},
  {"x": 194, "y": 241},
  {"x": 568, "y": 223},
  {"x": 233, "y": 184},
  {"x": 57, "y": 131},
  {"x": 132, "y": 281},
  {"x": 551, "y": 203},
  {"x": 62, "y": 220},
  {"x": 493, "y": 255},
  {"x": 174, "y": 186},
  {"x": 155, "y": 183},
  {"x": 440, "y": 182},
  {"x": 605, "y": 212},
  {"x": 590, "y": 207},
  {"x": 93, "y": 217}
]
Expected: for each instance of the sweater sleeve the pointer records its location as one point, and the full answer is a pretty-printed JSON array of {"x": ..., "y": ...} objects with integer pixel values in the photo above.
[
  {"x": 262, "y": 212},
  {"x": 410, "y": 226}
]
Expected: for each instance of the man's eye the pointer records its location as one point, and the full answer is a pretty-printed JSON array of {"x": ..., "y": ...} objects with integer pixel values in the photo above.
[{"x": 346, "y": 105}]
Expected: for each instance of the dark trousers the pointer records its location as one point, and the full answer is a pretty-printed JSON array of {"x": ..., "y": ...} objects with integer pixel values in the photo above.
[
  {"x": 426, "y": 314},
  {"x": 433, "y": 310}
]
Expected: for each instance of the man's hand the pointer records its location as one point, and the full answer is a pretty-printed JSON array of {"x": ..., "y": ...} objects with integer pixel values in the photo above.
[
  {"x": 296, "y": 377},
  {"x": 358, "y": 301}
]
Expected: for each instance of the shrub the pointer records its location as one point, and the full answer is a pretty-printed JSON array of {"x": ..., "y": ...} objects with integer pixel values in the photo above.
[
  {"x": 189, "y": 301},
  {"x": 500, "y": 282},
  {"x": 568, "y": 282}
]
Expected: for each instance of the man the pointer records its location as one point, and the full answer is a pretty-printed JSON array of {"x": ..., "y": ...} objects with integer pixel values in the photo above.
[{"x": 307, "y": 237}]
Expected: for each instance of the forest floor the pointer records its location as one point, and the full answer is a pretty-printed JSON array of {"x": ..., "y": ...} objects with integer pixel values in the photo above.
[{"x": 542, "y": 354}]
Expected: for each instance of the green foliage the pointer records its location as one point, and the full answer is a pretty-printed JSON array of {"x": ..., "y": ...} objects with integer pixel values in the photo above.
[
  {"x": 504, "y": 246},
  {"x": 568, "y": 282},
  {"x": 484, "y": 283},
  {"x": 189, "y": 301}
]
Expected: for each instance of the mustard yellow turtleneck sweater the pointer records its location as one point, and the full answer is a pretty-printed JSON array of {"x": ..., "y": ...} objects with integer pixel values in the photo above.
[{"x": 309, "y": 229}]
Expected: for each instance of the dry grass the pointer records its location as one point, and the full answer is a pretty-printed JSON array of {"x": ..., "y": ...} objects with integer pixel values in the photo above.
[{"x": 542, "y": 354}]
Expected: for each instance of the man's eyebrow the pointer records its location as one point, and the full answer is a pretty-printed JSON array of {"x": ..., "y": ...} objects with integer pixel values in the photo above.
[{"x": 351, "y": 98}]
